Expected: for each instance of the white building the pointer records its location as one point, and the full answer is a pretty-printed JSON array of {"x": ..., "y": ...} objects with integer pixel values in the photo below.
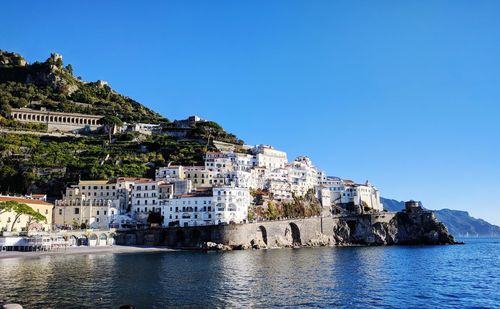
[
  {"x": 219, "y": 161},
  {"x": 303, "y": 175},
  {"x": 192, "y": 209},
  {"x": 231, "y": 204},
  {"x": 218, "y": 205},
  {"x": 145, "y": 197},
  {"x": 364, "y": 195},
  {"x": 267, "y": 156},
  {"x": 170, "y": 172}
]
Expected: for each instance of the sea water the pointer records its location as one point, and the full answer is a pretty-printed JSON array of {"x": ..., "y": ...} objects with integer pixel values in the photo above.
[{"x": 458, "y": 276}]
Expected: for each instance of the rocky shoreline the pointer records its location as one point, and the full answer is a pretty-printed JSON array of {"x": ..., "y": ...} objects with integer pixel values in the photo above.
[{"x": 406, "y": 228}]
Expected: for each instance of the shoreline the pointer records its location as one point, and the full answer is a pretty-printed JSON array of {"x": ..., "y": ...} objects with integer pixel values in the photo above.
[{"x": 83, "y": 250}]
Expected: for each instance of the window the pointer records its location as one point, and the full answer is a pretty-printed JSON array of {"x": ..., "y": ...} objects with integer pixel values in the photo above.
[
  {"x": 105, "y": 212},
  {"x": 60, "y": 212},
  {"x": 77, "y": 211},
  {"x": 98, "y": 212}
]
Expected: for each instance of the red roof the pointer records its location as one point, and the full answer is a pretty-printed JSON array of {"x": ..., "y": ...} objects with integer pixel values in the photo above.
[{"x": 23, "y": 200}]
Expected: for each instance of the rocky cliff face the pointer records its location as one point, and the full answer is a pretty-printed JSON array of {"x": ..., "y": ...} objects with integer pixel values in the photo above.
[{"x": 403, "y": 229}]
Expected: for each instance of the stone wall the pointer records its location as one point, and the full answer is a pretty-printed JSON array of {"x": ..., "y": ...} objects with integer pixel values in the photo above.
[{"x": 368, "y": 229}]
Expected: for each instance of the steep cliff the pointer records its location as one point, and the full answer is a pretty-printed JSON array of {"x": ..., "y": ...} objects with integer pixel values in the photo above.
[{"x": 403, "y": 229}]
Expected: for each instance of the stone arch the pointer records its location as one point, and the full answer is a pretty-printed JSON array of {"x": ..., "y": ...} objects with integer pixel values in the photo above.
[
  {"x": 82, "y": 240},
  {"x": 93, "y": 240},
  {"x": 295, "y": 234},
  {"x": 262, "y": 234},
  {"x": 103, "y": 239},
  {"x": 180, "y": 238},
  {"x": 195, "y": 236},
  {"x": 111, "y": 239},
  {"x": 71, "y": 240}
]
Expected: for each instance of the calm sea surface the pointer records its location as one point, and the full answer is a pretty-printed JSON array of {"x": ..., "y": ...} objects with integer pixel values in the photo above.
[{"x": 364, "y": 277}]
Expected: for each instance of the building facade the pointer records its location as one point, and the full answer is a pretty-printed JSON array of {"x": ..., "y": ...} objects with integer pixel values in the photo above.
[
  {"x": 65, "y": 122},
  {"x": 24, "y": 222}
]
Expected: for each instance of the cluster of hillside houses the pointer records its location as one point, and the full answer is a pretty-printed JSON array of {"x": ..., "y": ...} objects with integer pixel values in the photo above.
[{"x": 218, "y": 192}]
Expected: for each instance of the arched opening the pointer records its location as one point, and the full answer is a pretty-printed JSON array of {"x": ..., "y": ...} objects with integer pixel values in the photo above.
[
  {"x": 103, "y": 240},
  {"x": 93, "y": 240},
  {"x": 180, "y": 238},
  {"x": 111, "y": 239},
  {"x": 295, "y": 234},
  {"x": 82, "y": 241},
  {"x": 262, "y": 234},
  {"x": 195, "y": 237}
]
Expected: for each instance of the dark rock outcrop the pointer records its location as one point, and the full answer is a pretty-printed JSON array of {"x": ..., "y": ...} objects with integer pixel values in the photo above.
[{"x": 405, "y": 228}]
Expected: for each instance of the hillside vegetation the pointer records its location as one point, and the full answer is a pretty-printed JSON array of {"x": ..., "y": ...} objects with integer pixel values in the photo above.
[
  {"x": 52, "y": 85},
  {"x": 39, "y": 163}
]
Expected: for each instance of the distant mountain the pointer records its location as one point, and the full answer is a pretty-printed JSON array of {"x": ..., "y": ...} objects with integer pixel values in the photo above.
[{"x": 459, "y": 223}]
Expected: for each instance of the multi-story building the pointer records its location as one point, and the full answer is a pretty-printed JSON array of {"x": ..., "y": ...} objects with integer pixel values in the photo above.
[
  {"x": 279, "y": 185},
  {"x": 203, "y": 178},
  {"x": 192, "y": 209},
  {"x": 145, "y": 196},
  {"x": 93, "y": 211},
  {"x": 24, "y": 222},
  {"x": 336, "y": 187},
  {"x": 170, "y": 172},
  {"x": 219, "y": 161},
  {"x": 231, "y": 204},
  {"x": 124, "y": 186},
  {"x": 303, "y": 175},
  {"x": 364, "y": 195},
  {"x": 207, "y": 206},
  {"x": 267, "y": 156}
]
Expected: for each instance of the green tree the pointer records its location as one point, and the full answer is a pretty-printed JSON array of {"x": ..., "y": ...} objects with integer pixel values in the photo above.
[
  {"x": 110, "y": 123},
  {"x": 7, "y": 206},
  {"x": 21, "y": 209},
  {"x": 251, "y": 214},
  {"x": 69, "y": 68},
  {"x": 34, "y": 216}
]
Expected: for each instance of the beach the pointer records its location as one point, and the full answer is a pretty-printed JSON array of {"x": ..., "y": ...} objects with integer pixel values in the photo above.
[{"x": 82, "y": 250}]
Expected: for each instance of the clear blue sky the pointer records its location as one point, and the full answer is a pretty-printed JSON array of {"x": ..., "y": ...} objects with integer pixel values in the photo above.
[{"x": 403, "y": 93}]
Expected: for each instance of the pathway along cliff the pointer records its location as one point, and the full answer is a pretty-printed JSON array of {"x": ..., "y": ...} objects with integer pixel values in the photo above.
[{"x": 409, "y": 227}]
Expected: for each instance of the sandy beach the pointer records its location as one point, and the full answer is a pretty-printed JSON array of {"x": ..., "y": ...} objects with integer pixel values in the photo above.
[{"x": 83, "y": 250}]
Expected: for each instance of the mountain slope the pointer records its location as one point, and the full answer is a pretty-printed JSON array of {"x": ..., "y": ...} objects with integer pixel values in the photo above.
[
  {"x": 458, "y": 222},
  {"x": 52, "y": 85},
  {"x": 39, "y": 163}
]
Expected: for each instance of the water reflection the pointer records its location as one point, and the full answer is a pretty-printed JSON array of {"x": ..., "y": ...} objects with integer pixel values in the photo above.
[{"x": 448, "y": 276}]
